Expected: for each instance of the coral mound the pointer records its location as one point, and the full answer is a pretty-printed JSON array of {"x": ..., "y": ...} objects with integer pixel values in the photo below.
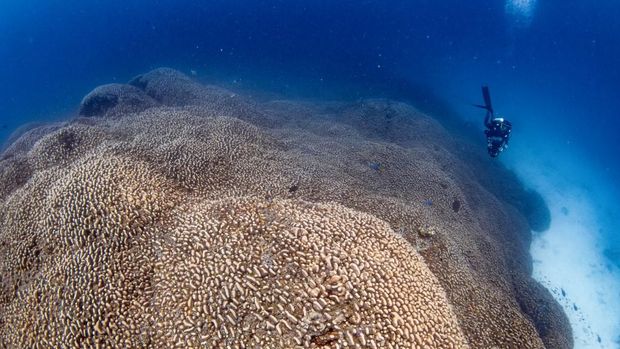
[
  {"x": 125, "y": 262},
  {"x": 206, "y": 219},
  {"x": 115, "y": 99},
  {"x": 287, "y": 273}
]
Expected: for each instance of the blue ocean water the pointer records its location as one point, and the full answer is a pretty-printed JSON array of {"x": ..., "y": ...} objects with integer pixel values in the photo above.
[{"x": 552, "y": 67}]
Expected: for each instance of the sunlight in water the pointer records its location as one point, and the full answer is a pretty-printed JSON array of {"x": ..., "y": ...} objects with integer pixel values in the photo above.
[{"x": 521, "y": 11}]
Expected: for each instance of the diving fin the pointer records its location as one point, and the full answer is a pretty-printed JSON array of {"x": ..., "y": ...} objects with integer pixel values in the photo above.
[{"x": 487, "y": 99}]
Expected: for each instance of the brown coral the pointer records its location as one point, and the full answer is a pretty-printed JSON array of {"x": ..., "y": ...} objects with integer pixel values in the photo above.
[
  {"x": 160, "y": 185},
  {"x": 123, "y": 261}
]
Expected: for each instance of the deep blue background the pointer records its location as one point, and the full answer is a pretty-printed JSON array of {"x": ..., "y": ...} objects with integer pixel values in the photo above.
[
  {"x": 53, "y": 52},
  {"x": 559, "y": 76}
]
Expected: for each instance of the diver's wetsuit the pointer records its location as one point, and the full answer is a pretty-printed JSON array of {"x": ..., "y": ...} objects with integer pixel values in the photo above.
[{"x": 498, "y": 133}]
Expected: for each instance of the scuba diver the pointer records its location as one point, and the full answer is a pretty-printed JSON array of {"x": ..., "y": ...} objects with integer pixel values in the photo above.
[{"x": 498, "y": 129}]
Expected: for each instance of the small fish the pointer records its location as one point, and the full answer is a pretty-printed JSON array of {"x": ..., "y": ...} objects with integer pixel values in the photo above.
[
  {"x": 563, "y": 292},
  {"x": 575, "y": 307},
  {"x": 375, "y": 166},
  {"x": 293, "y": 188},
  {"x": 428, "y": 202},
  {"x": 598, "y": 338}
]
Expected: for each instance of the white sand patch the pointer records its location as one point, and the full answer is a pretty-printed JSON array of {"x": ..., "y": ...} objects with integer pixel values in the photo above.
[
  {"x": 568, "y": 258},
  {"x": 569, "y": 262}
]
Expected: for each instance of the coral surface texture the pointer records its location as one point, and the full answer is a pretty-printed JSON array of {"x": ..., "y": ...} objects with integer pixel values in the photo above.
[{"x": 171, "y": 214}]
